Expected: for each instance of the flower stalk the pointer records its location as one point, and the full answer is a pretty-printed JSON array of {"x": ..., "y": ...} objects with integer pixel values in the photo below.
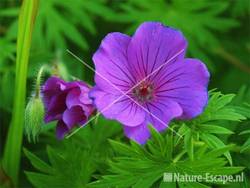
[
  {"x": 38, "y": 82},
  {"x": 12, "y": 150}
]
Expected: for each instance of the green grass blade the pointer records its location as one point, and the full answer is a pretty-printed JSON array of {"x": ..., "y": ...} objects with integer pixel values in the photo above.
[{"x": 12, "y": 152}]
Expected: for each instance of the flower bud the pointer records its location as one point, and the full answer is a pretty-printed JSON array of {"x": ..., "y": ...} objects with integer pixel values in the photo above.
[{"x": 34, "y": 114}]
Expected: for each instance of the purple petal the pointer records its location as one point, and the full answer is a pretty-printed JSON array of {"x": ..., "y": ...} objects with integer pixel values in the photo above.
[
  {"x": 131, "y": 114},
  {"x": 78, "y": 84},
  {"x": 54, "y": 83},
  {"x": 77, "y": 96},
  {"x": 61, "y": 129},
  {"x": 123, "y": 110},
  {"x": 152, "y": 46},
  {"x": 186, "y": 83},
  {"x": 111, "y": 64},
  {"x": 56, "y": 107},
  {"x": 74, "y": 116},
  {"x": 52, "y": 87},
  {"x": 84, "y": 96},
  {"x": 162, "y": 112},
  {"x": 140, "y": 133},
  {"x": 73, "y": 97}
]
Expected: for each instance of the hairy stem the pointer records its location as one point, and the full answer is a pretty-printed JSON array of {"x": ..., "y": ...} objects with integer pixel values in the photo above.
[{"x": 38, "y": 82}]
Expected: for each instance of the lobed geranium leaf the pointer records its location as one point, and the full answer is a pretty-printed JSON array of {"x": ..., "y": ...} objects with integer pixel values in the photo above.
[
  {"x": 215, "y": 142},
  {"x": 38, "y": 163},
  {"x": 122, "y": 148},
  {"x": 139, "y": 170},
  {"x": 219, "y": 108},
  {"x": 76, "y": 159}
]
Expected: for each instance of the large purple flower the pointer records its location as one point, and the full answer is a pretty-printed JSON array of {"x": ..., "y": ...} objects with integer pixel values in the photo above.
[
  {"x": 150, "y": 68},
  {"x": 66, "y": 102}
]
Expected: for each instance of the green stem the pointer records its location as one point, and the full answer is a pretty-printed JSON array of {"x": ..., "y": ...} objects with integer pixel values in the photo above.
[
  {"x": 38, "y": 82},
  {"x": 12, "y": 150}
]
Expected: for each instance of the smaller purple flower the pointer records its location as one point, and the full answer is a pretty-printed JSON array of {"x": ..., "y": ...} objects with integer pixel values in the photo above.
[{"x": 66, "y": 102}]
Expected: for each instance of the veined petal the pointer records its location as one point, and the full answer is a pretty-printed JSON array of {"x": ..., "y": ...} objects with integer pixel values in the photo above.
[
  {"x": 112, "y": 68},
  {"x": 131, "y": 113},
  {"x": 117, "y": 107},
  {"x": 139, "y": 133},
  {"x": 162, "y": 112},
  {"x": 186, "y": 83},
  {"x": 154, "y": 46}
]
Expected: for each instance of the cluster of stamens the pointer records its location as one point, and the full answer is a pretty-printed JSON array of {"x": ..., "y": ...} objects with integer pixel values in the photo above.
[{"x": 143, "y": 92}]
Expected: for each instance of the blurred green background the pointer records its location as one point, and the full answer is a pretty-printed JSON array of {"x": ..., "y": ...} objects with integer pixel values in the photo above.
[{"x": 218, "y": 33}]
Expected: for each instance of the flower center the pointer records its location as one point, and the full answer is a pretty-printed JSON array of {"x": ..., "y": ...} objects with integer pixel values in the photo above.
[{"x": 143, "y": 92}]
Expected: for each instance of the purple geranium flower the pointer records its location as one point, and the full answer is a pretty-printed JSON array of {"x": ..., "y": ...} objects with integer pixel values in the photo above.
[
  {"x": 66, "y": 102},
  {"x": 175, "y": 87}
]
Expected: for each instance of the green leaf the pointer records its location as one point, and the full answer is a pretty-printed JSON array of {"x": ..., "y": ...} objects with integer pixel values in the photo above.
[
  {"x": 57, "y": 161},
  {"x": 136, "y": 169},
  {"x": 214, "y": 129},
  {"x": 188, "y": 144},
  {"x": 148, "y": 180},
  {"x": 156, "y": 137},
  {"x": 80, "y": 16},
  {"x": 6, "y": 94},
  {"x": 167, "y": 184},
  {"x": 227, "y": 170},
  {"x": 62, "y": 170},
  {"x": 7, "y": 49},
  {"x": 38, "y": 163},
  {"x": 169, "y": 146},
  {"x": 9, "y": 12},
  {"x": 157, "y": 141},
  {"x": 209, "y": 122},
  {"x": 74, "y": 161},
  {"x": 122, "y": 148},
  {"x": 205, "y": 17},
  {"x": 246, "y": 146},
  {"x": 215, "y": 142},
  {"x": 240, "y": 8},
  {"x": 245, "y": 132},
  {"x": 219, "y": 108},
  {"x": 218, "y": 152},
  {"x": 42, "y": 180},
  {"x": 192, "y": 185},
  {"x": 244, "y": 109}
]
